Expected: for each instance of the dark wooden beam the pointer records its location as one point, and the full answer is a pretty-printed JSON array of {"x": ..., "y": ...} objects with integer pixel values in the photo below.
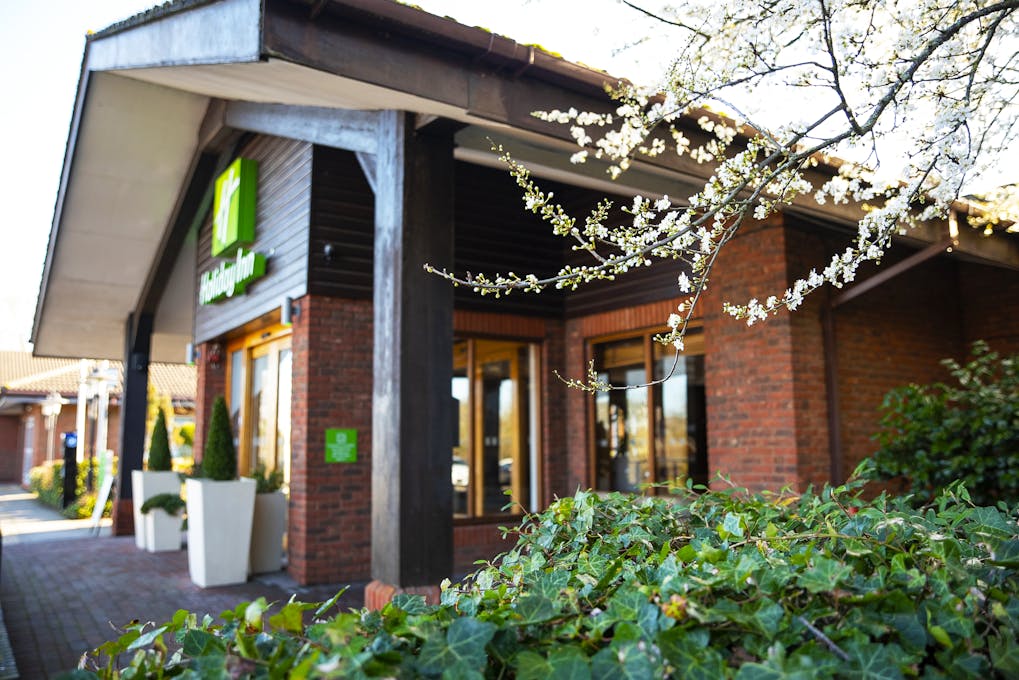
[
  {"x": 887, "y": 273},
  {"x": 133, "y": 410},
  {"x": 412, "y": 435},
  {"x": 339, "y": 128}
]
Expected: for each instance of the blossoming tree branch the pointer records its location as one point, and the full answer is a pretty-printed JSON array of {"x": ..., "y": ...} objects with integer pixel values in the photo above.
[{"x": 937, "y": 78}]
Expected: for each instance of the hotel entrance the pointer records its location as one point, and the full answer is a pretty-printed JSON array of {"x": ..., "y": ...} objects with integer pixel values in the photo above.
[{"x": 259, "y": 376}]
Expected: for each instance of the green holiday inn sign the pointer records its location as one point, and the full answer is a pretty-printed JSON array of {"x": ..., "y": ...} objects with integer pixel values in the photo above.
[{"x": 233, "y": 226}]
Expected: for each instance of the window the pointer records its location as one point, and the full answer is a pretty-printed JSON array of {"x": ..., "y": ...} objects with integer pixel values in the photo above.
[
  {"x": 495, "y": 444},
  {"x": 259, "y": 401},
  {"x": 649, "y": 434}
]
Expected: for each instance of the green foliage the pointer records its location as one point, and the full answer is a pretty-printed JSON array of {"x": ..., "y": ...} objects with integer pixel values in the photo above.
[
  {"x": 185, "y": 434},
  {"x": 47, "y": 481},
  {"x": 170, "y": 502},
  {"x": 964, "y": 430},
  {"x": 267, "y": 482},
  {"x": 719, "y": 585},
  {"x": 160, "y": 459},
  {"x": 219, "y": 460}
]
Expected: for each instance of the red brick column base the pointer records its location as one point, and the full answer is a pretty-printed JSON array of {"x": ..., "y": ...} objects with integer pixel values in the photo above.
[
  {"x": 378, "y": 594},
  {"x": 123, "y": 517}
]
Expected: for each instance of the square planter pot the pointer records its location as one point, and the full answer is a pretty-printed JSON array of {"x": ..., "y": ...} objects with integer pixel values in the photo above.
[
  {"x": 267, "y": 530},
  {"x": 162, "y": 530},
  {"x": 144, "y": 485},
  {"x": 219, "y": 530}
]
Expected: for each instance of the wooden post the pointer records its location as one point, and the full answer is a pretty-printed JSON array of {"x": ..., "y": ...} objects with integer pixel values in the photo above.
[
  {"x": 133, "y": 408},
  {"x": 412, "y": 436}
]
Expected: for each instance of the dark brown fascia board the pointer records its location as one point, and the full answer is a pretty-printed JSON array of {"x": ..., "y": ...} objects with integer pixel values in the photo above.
[{"x": 444, "y": 33}]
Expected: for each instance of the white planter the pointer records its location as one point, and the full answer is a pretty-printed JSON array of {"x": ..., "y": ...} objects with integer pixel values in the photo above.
[
  {"x": 219, "y": 530},
  {"x": 270, "y": 522},
  {"x": 162, "y": 530},
  {"x": 144, "y": 485}
]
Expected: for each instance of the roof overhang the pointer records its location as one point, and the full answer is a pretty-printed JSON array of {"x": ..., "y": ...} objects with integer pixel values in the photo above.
[{"x": 151, "y": 88}]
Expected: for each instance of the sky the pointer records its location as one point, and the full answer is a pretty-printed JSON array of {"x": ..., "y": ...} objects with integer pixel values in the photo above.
[{"x": 41, "y": 48}]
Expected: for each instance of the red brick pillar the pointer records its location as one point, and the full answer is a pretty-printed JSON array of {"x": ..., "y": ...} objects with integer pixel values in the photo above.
[
  {"x": 765, "y": 383},
  {"x": 211, "y": 384},
  {"x": 329, "y": 534}
]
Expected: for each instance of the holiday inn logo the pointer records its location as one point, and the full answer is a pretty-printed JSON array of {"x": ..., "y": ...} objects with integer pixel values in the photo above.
[{"x": 233, "y": 226}]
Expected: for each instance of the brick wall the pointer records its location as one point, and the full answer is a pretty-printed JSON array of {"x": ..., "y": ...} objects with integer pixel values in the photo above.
[
  {"x": 750, "y": 371},
  {"x": 329, "y": 537},
  {"x": 893, "y": 335},
  {"x": 990, "y": 306}
]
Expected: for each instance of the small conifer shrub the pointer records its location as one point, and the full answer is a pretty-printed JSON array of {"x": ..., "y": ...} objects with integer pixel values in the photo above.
[
  {"x": 159, "y": 446},
  {"x": 219, "y": 460}
]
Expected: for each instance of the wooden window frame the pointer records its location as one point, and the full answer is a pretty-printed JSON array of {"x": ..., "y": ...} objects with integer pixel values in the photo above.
[{"x": 647, "y": 335}]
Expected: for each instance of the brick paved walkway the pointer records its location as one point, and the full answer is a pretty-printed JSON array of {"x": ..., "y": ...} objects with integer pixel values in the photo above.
[{"x": 61, "y": 597}]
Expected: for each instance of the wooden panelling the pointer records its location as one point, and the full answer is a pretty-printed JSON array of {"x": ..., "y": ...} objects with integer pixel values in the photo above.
[
  {"x": 281, "y": 233},
  {"x": 343, "y": 216},
  {"x": 494, "y": 234}
]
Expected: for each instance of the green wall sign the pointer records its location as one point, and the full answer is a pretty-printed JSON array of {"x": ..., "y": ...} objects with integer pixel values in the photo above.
[
  {"x": 231, "y": 278},
  {"x": 233, "y": 207},
  {"x": 233, "y": 226},
  {"x": 341, "y": 446}
]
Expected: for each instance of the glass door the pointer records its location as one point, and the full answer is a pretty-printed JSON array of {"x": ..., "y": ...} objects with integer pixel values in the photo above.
[{"x": 260, "y": 402}]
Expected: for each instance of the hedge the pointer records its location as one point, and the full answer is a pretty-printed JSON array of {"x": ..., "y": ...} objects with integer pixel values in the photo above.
[{"x": 717, "y": 584}]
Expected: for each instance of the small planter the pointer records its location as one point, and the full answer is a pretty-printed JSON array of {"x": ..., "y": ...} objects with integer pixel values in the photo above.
[
  {"x": 219, "y": 530},
  {"x": 144, "y": 485},
  {"x": 162, "y": 531},
  {"x": 268, "y": 527}
]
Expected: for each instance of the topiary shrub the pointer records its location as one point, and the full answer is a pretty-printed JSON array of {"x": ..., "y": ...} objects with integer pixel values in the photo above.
[
  {"x": 160, "y": 459},
  {"x": 219, "y": 459},
  {"x": 170, "y": 502},
  {"x": 725, "y": 584},
  {"x": 966, "y": 429}
]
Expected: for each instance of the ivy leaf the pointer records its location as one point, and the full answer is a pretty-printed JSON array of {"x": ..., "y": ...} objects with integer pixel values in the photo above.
[
  {"x": 824, "y": 575},
  {"x": 196, "y": 642},
  {"x": 146, "y": 639},
  {"x": 873, "y": 661},
  {"x": 1007, "y": 555},
  {"x": 532, "y": 666},
  {"x": 462, "y": 647},
  {"x": 569, "y": 663},
  {"x": 688, "y": 651},
  {"x": 290, "y": 617},
  {"x": 1005, "y": 656},
  {"x": 532, "y": 608},
  {"x": 412, "y": 604},
  {"x": 623, "y": 661}
]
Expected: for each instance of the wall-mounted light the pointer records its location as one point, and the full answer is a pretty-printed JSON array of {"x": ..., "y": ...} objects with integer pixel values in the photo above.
[
  {"x": 329, "y": 251},
  {"x": 289, "y": 311},
  {"x": 191, "y": 354}
]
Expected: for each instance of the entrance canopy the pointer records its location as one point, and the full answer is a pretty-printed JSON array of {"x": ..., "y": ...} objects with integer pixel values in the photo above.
[{"x": 157, "y": 90}]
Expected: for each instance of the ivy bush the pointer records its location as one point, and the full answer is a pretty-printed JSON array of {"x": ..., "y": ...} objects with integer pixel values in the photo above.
[
  {"x": 722, "y": 584},
  {"x": 160, "y": 459},
  {"x": 966, "y": 429}
]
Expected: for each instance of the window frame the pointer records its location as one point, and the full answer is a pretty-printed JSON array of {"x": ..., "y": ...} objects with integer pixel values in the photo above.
[
  {"x": 534, "y": 356},
  {"x": 648, "y": 342}
]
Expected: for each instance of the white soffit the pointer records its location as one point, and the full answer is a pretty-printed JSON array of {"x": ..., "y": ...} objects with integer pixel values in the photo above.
[{"x": 134, "y": 146}]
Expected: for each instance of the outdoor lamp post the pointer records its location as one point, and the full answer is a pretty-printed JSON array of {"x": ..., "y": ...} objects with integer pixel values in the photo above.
[{"x": 51, "y": 409}]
